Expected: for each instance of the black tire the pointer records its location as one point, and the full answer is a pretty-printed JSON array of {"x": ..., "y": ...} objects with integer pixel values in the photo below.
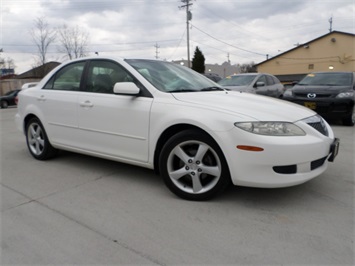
[
  {"x": 193, "y": 166},
  {"x": 37, "y": 141},
  {"x": 350, "y": 120},
  {"x": 4, "y": 104}
]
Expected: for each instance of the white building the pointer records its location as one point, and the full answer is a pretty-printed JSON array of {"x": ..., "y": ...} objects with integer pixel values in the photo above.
[{"x": 224, "y": 70}]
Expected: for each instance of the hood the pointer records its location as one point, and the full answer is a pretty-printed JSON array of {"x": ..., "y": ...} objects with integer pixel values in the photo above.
[
  {"x": 237, "y": 88},
  {"x": 250, "y": 106}
]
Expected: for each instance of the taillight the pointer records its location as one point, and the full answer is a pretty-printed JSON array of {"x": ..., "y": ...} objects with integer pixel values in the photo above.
[{"x": 16, "y": 100}]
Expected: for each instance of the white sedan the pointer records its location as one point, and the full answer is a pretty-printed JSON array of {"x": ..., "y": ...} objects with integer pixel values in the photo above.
[{"x": 155, "y": 114}]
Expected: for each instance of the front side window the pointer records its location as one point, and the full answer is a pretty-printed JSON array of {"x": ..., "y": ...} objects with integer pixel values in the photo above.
[
  {"x": 276, "y": 81},
  {"x": 262, "y": 79},
  {"x": 103, "y": 75},
  {"x": 68, "y": 78}
]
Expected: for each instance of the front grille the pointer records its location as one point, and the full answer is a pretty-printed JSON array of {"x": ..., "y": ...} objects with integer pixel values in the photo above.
[
  {"x": 317, "y": 163},
  {"x": 305, "y": 95},
  {"x": 320, "y": 127}
]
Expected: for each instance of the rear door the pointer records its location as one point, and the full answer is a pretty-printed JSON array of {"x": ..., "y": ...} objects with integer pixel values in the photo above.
[{"x": 58, "y": 103}]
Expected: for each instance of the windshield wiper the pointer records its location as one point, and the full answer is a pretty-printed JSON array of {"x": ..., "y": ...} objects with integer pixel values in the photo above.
[
  {"x": 212, "y": 89},
  {"x": 182, "y": 90}
]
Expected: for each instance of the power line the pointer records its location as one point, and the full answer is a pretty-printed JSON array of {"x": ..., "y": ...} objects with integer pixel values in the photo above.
[
  {"x": 239, "y": 48},
  {"x": 182, "y": 37}
]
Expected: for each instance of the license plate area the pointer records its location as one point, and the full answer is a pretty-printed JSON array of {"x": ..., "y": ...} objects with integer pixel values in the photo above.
[
  {"x": 311, "y": 105},
  {"x": 334, "y": 150}
]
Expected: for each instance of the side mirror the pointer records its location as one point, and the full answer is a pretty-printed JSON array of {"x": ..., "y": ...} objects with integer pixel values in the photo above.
[
  {"x": 294, "y": 83},
  {"x": 126, "y": 88},
  {"x": 260, "y": 84}
]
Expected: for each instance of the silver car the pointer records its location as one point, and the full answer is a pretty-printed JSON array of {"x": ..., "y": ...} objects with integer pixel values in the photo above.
[{"x": 257, "y": 83}]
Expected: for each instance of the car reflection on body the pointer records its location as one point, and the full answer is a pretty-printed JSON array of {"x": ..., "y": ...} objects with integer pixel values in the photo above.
[
  {"x": 163, "y": 116},
  {"x": 257, "y": 83}
]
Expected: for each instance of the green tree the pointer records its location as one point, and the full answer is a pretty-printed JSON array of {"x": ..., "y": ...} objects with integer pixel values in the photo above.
[{"x": 198, "y": 62}]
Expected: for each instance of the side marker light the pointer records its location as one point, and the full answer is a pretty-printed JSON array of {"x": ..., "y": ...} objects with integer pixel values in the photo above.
[{"x": 249, "y": 148}]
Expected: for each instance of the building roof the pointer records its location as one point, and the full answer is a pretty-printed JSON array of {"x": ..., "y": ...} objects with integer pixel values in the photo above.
[
  {"x": 38, "y": 72},
  {"x": 307, "y": 43}
]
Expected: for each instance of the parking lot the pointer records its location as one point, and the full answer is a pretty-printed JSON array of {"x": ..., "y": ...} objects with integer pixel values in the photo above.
[{"x": 76, "y": 209}]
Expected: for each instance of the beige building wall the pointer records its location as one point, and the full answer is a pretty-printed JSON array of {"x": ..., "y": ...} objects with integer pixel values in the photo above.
[{"x": 332, "y": 52}]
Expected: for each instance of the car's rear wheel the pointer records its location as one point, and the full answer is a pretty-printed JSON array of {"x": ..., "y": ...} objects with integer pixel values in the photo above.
[
  {"x": 37, "y": 140},
  {"x": 350, "y": 120},
  {"x": 193, "y": 166},
  {"x": 4, "y": 104}
]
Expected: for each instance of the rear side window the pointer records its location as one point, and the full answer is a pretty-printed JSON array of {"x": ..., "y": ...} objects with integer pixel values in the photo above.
[
  {"x": 276, "y": 80},
  {"x": 270, "y": 80},
  {"x": 68, "y": 78}
]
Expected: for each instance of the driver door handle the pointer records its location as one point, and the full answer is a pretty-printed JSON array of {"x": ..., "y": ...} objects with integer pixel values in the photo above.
[{"x": 86, "y": 104}]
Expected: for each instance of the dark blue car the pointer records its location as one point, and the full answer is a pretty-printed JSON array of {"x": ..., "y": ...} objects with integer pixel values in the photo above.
[{"x": 8, "y": 99}]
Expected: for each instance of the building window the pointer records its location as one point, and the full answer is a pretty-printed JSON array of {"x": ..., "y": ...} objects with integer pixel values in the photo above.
[{"x": 311, "y": 66}]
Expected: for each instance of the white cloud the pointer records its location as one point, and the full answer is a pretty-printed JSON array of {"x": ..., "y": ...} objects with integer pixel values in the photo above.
[{"x": 132, "y": 28}]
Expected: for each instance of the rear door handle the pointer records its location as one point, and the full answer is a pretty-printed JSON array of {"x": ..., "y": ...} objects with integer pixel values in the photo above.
[{"x": 86, "y": 104}]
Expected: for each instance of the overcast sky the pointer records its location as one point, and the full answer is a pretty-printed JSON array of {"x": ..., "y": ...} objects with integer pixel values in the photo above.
[{"x": 246, "y": 30}]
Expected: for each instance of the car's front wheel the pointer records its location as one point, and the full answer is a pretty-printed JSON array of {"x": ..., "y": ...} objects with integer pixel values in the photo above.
[
  {"x": 193, "y": 166},
  {"x": 37, "y": 140}
]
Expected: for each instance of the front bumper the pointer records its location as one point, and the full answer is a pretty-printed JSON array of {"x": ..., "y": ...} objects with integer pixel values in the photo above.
[
  {"x": 327, "y": 107},
  {"x": 284, "y": 161},
  {"x": 18, "y": 123}
]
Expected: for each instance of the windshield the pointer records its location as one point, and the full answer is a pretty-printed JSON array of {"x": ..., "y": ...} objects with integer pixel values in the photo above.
[
  {"x": 170, "y": 77},
  {"x": 333, "y": 79},
  {"x": 237, "y": 80}
]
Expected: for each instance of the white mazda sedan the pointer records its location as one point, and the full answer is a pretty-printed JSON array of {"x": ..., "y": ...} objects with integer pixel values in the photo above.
[{"x": 163, "y": 116}]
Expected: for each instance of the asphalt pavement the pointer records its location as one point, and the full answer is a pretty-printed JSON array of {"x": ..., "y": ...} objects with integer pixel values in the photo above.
[{"x": 80, "y": 210}]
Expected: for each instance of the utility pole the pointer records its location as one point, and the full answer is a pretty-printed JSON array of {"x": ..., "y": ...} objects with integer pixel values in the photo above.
[
  {"x": 330, "y": 24},
  {"x": 156, "y": 50},
  {"x": 188, "y": 18}
]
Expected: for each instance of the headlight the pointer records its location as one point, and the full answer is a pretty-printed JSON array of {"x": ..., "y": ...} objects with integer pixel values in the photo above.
[
  {"x": 349, "y": 94},
  {"x": 271, "y": 128},
  {"x": 288, "y": 93}
]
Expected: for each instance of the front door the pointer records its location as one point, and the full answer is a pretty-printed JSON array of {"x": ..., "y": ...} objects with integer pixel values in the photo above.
[{"x": 113, "y": 125}]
